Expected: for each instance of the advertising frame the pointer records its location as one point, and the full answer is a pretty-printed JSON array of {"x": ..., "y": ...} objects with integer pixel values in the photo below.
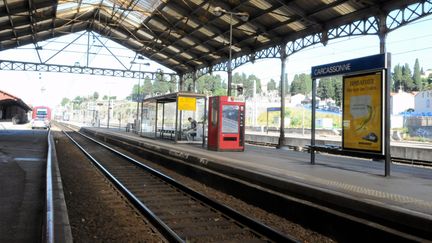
[
  {"x": 379, "y": 121},
  {"x": 358, "y": 66}
]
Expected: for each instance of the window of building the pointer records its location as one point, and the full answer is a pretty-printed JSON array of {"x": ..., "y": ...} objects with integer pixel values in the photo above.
[{"x": 427, "y": 103}]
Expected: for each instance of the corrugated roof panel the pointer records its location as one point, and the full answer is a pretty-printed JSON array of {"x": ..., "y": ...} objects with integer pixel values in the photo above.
[
  {"x": 187, "y": 41},
  {"x": 344, "y": 8},
  {"x": 279, "y": 15},
  {"x": 206, "y": 31},
  {"x": 160, "y": 55},
  {"x": 143, "y": 8},
  {"x": 197, "y": 2},
  {"x": 328, "y": 1},
  {"x": 226, "y": 19},
  {"x": 263, "y": 39},
  {"x": 296, "y": 26},
  {"x": 174, "y": 49},
  {"x": 172, "y": 12},
  {"x": 185, "y": 55},
  {"x": 261, "y": 4},
  {"x": 156, "y": 24},
  {"x": 172, "y": 61},
  {"x": 144, "y": 34},
  {"x": 201, "y": 48},
  {"x": 247, "y": 29}
]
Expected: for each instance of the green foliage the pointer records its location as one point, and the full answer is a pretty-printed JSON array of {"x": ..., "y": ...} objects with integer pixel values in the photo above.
[
  {"x": 407, "y": 78},
  {"x": 95, "y": 95},
  {"x": 417, "y": 76},
  {"x": 397, "y": 77},
  {"x": 147, "y": 88},
  {"x": 211, "y": 84},
  {"x": 326, "y": 88},
  {"x": 272, "y": 85},
  {"x": 331, "y": 87},
  {"x": 296, "y": 115},
  {"x": 301, "y": 84},
  {"x": 248, "y": 83},
  {"x": 65, "y": 101}
]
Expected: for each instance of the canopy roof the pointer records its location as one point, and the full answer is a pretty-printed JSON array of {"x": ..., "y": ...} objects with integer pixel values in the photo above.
[
  {"x": 7, "y": 99},
  {"x": 183, "y": 35}
]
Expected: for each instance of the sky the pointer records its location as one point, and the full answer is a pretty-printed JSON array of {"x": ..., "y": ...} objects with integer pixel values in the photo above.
[{"x": 48, "y": 88}]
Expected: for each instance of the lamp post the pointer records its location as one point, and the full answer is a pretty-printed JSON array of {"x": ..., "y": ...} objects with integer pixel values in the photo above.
[
  {"x": 137, "y": 121},
  {"x": 218, "y": 11}
]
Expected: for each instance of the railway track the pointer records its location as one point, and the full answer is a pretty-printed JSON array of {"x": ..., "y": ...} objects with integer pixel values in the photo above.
[{"x": 178, "y": 212}]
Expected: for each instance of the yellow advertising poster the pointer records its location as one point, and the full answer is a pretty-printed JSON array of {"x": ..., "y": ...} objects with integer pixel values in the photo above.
[
  {"x": 186, "y": 103},
  {"x": 362, "y": 112}
]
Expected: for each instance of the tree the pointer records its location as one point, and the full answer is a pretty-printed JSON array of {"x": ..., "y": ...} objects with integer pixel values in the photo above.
[
  {"x": 417, "y": 76},
  {"x": 326, "y": 88},
  {"x": 95, "y": 95},
  {"x": 65, "y": 101},
  {"x": 147, "y": 87},
  {"x": 397, "y": 77},
  {"x": 407, "y": 78},
  {"x": 302, "y": 83},
  {"x": 271, "y": 85},
  {"x": 211, "y": 84},
  {"x": 338, "y": 90},
  {"x": 248, "y": 83}
]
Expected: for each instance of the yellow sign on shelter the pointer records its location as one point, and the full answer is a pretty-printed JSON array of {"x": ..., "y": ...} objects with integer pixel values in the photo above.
[
  {"x": 186, "y": 103},
  {"x": 363, "y": 112}
]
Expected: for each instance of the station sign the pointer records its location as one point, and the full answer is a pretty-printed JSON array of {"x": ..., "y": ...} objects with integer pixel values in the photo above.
[
  {"x": 362, "y": 119},
  {"x": 186, "y": 103},
  {"x": 374, "y": 62},
  {"x": 269, "y": 109}
]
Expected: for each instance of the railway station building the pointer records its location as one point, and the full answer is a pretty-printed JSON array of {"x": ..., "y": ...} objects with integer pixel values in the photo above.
[{"x": 13, "y": 108}]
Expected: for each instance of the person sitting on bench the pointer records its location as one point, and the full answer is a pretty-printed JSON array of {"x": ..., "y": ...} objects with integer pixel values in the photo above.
[{"x": 191, "y": 132}]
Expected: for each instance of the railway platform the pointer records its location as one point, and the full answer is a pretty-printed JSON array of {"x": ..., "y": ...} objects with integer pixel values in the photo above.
[
  {"x": 355, "y": 183},
  {"x": 23, "y": 157}
]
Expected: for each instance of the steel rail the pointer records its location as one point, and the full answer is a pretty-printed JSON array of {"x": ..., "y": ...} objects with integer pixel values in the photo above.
[
  {"x": 160, "y": 225},
  {"x": 49, "y": 227},
  {"x": 252, "y": 224}
]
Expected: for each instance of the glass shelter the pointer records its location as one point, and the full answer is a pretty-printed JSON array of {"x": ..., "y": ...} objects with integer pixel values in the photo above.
[{"x": 179, "y": 116}]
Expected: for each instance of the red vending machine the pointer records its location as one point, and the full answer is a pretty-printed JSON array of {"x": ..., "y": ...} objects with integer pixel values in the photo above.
[{"x": 226, "y": 126}]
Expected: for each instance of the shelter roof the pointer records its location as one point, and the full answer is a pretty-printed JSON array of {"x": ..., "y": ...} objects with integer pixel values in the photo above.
[
  {"x": 183, "y": 35},
  {"x": 8, "y": 99},
  {"x": 172, "y": 97}
]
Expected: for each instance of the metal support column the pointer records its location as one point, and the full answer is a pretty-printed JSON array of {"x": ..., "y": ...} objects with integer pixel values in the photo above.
[
  {"x": 88, "y": 48},
  {"x": 283, "y": 57},
  {"x": 312, "y": 149},
  {"x": 108, "y": 116},
  {"x": 194, "y": 79},
  {"x": 383, "y": 31},
  {"x": 163, "y": 115},
  {"x": 387, "y": 124},
  {"x": 176, "y": 133},
  {"x": 204, "y": 122},
  {"x": 180, "y": 87},
  {"x": 230, "y": 58},
  {"x": 156, "y": 118}
]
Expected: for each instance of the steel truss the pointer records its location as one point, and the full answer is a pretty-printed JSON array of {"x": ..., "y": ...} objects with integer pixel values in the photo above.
[
  {"x": 370, "y": 26},
  {"x": 382, "y": 23},
  {"x": 40, "y": 67}
]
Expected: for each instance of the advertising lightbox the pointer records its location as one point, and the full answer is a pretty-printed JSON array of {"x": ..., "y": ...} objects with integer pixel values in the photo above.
[{"x": 362, "y": 120}]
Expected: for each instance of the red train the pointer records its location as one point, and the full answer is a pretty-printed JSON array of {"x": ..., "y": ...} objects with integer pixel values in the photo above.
[{"x": 41, "y": 112}]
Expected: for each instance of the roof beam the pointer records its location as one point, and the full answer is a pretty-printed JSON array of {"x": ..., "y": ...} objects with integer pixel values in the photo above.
[{"x": 11, "y": 21}]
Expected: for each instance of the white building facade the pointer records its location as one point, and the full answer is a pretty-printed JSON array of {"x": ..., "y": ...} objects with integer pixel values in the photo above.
[
  {"x": 423, "y": 102},
  {"x": 401, "y": 101}
]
